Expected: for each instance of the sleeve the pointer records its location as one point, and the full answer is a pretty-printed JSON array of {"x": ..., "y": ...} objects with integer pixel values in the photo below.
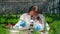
[
  {"x": 47, "y": 27},
  {"x": 44, "y": 22},
  {"x": 17, "y": 25}
]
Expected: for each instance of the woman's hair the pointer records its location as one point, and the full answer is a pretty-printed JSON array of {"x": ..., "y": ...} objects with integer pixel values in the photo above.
[{"x": 34, "y": 7}]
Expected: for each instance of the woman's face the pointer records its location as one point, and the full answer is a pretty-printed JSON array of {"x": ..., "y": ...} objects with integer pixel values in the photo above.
[{"x": 33, "y": 13}]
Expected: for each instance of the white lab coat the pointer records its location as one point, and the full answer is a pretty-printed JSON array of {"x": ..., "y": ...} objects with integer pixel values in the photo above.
[{"x": 27, "y": 18}]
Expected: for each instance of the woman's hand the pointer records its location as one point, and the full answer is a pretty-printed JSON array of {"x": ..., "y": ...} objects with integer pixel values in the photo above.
[{"x": 43, "y": 31}]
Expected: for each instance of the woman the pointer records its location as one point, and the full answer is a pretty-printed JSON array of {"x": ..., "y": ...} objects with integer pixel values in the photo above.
[{"x": 38, "y": 19}]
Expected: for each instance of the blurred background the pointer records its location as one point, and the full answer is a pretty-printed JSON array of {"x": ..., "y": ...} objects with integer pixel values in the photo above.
[{"x": 11, "y": 10}]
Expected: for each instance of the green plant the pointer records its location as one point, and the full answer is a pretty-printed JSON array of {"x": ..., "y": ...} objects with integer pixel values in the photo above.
[{"x": 2, "y": 20}]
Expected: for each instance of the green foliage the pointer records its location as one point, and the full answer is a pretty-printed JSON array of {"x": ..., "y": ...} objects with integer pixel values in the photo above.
[
  {"x": 54, "y": 23},
  {"x": 36, "y": 32},
  {"x": 2, "y": 20},
  {"x": 3, "y": 30},
  {"x": 12, "y": 21},
  {"x": 49, "y": 19},
  {"x": 55, "y": 27},
  {"x": 9, "y": 18}
]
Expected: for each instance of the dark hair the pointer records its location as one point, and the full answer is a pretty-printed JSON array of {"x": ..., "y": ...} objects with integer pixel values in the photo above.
[
  {"x": 30, "y": 8},
  {"x": 33, "y": 8}
]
